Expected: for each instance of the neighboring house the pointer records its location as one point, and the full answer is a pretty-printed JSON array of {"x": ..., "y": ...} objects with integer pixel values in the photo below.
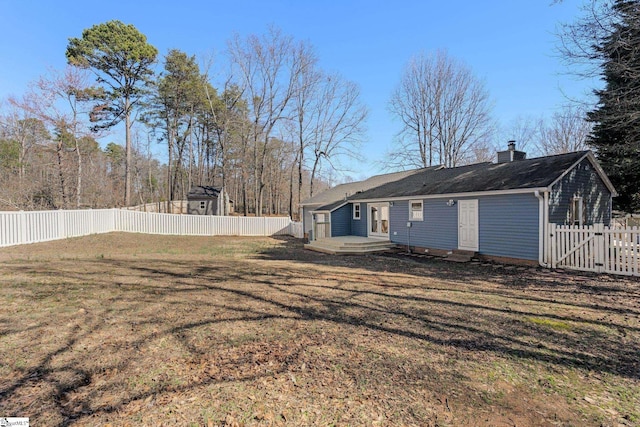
[
  {"x": 204, "y": 200},
  {"x": 499, "y": 210},
  {"x": 337, "y": 195}
]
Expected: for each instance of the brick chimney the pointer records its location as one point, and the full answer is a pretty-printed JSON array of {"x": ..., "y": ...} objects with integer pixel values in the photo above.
[{"x": 511, "y": 154}]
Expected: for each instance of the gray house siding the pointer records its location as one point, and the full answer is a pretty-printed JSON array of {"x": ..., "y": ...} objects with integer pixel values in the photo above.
[
  {"x": 359, "y": 226},
  {"x": 341, "y": 221},
  {"x": 582, "y": 181},
  {"x": 437, "y": 230},
  {"x": 509, "y": 226},
  {"x": 206, "y": 200},
  {"x": 194, "y": 207}
]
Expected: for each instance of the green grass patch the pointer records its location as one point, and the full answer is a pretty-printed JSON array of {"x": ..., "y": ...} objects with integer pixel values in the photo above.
[{"x": 557, "y": 325}]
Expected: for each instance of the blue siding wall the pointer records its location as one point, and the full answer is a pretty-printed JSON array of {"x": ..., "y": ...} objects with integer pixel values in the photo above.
[
  {"x": 509, "y": 226},
  {"x": 359, "y": 226},
  {"x": 438, "y": 229},
  {"x": 341, "y": 221},
  {"x": 582, "y": 181}
]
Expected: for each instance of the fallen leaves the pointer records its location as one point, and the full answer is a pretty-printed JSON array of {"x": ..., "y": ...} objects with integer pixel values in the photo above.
[{"x": 284, "y": 337}]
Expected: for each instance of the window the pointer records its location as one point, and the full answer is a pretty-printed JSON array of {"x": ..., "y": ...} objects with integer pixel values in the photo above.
[
  {"x": 577, "y": 212},
  {"x": 415, "y": 210},
  {"x": 356, "y": 211},
  {"x": 203, "y": 205}
]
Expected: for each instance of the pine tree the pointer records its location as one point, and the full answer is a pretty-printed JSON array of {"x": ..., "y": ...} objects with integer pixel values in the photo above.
[
  {"x": 616, "y": 131},
  {"x": 121, "y": 58}
]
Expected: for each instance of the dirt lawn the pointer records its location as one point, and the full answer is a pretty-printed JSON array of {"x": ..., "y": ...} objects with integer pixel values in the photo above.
[{"x": 127, "y": 329}]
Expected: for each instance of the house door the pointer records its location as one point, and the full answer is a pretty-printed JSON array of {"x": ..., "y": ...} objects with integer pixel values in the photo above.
[
  {"x": 322, "y": 226},
  {"x": 379, "y": 220},
  {"x": 468, "y": 225}
]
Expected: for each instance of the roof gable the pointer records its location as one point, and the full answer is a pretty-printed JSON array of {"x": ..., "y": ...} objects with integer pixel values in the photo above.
[{"x": 596, "y": 166}]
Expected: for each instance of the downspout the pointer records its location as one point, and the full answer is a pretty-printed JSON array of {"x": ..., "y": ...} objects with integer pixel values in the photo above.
[
  {"x": 541, "y": 228},
  {"x": 547, "y": 232}
]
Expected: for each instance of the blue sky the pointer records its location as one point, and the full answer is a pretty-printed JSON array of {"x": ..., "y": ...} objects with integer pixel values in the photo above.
[{"x": 508, "y": 43}]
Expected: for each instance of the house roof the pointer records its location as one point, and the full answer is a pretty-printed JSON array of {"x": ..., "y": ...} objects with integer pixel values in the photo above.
[
  {"x": 337, "y": 195},
  {"x": 538, "y": 172},
  {"x": 203, "y": 192}
]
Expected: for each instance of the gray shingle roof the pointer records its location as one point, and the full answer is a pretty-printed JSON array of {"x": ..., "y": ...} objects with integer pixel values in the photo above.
[
  {"x": 331, "y": 206},
  {"x": 341, "y": 191},
  {"x": 202, "y": 192},
  {"x": 530, "y": 173}
]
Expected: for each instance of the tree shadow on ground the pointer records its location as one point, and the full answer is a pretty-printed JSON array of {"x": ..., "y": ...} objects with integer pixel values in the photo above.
[{"x": 235, "y": 320}]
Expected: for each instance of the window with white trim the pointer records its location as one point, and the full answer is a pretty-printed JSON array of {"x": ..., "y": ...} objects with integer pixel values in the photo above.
[
  {"x": 356, "y": 211},
  {"x": 577, "y": 212},
  {"x": 415, "y": 210}
]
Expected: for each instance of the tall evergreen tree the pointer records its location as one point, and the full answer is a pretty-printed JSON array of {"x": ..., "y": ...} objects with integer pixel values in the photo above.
[
  {"x": 178, "y": 97},
  {"x": 121, "y": 58},
  {"x": 616, "y": 118}
]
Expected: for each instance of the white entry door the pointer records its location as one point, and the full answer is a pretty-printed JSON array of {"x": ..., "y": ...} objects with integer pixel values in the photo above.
[
  {"x": 378, "y": 220},
  {"x": 468, "y": 225}
]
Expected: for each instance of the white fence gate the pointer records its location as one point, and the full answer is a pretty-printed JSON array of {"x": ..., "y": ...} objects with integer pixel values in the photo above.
[
  {"x": 18, "y": 228},
  {"x": 596, "y": 248}
]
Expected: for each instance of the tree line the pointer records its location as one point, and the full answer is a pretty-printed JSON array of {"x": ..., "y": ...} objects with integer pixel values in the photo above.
[
  {"x": 270, "y": 132},
  {"x": 270, "y": 126}
]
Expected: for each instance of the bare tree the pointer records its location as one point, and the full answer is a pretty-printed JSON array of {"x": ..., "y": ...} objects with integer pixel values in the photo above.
[
  {"x": 444, "y": 110},
  {"x": 56, "y": 101},
  {"x": 301, "y": 126},
  {"x": 21, "y": 138},
  {"x": 27, "y": 132},
  {"x": 525, "y": 131},
  {"x": 483, "y": 151},
  {"x": 578, "y": 39},
  {"x": 229, "y": 115},
  {"x": 567, "y": 131},
  {"x": 269, "y": 67},
  {"x": 337, "y": 124}
]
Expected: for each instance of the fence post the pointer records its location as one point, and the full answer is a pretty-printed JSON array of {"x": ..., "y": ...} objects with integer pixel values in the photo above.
[
  {"x": 554, "y": 242},
  {"x": 599, "y": 247},
  {"x": 60, "y": 217},
  {"x": 23, "y": 227},
  {"x": 116, "y": 220}
]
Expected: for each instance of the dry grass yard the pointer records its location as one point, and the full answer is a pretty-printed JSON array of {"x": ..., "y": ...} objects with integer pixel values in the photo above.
[{"x": 126, "y": 329}]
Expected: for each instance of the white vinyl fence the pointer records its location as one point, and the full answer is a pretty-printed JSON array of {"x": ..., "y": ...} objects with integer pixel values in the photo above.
[
  {"x": 175, "y": 207},
  {"x": 18, "y": 228},
  {"x": 596, "y": 248}
]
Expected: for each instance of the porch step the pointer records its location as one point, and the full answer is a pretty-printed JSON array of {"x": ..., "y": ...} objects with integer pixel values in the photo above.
[
  {"x": 459, "y": 255},
  {"x": 349, "y": 246}
]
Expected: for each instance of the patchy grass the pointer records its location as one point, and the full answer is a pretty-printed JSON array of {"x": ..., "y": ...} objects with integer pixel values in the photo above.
[
  {"x": 154, "y": 330},
  {"x": 555, "y": 324}
]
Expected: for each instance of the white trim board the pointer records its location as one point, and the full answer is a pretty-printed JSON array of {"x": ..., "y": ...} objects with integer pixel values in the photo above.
[{"x": 454, "y": 195}]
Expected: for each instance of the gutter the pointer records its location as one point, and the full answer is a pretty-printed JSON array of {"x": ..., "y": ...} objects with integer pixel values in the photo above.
[{"x": 449, "y": 195}]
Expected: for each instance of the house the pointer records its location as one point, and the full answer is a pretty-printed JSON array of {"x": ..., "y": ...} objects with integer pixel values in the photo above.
[
  {"x": 496, "y": 210},
  {"x": 205, "y": 200},
  {"x": 337, "y": 196}
]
